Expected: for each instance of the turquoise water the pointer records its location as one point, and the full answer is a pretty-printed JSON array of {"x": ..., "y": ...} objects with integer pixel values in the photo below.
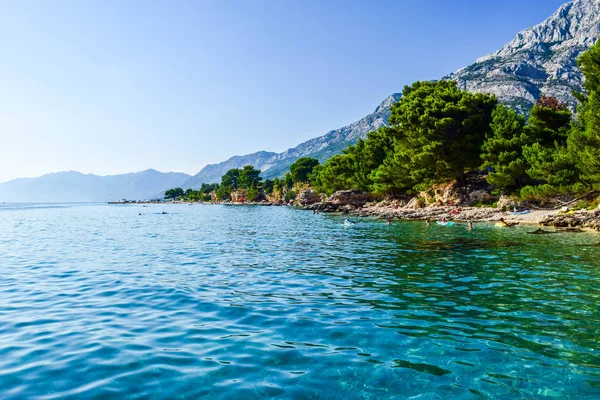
[{"x": 215, "y": 302}]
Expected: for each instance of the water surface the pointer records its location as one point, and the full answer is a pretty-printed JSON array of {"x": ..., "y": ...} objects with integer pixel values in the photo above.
[{"x": 215, "y": 302}]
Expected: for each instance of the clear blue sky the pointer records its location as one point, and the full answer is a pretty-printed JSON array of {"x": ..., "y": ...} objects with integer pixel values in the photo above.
[{"x": 110, "y": 87}]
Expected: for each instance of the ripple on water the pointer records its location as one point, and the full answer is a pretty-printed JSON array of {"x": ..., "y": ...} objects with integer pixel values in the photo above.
[{"x": 250, "y": 302}]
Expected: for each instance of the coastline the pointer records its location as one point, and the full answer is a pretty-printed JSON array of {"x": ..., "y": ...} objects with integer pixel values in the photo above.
[
  {"x": 475, "y": 214},
  {"x": 572, "y": 221}
]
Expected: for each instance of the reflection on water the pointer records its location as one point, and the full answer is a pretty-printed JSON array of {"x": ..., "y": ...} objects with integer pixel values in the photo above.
[{"x": 251, "y": 302}]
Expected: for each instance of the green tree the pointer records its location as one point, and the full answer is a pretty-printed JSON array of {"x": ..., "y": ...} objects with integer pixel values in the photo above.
[
  {"x": 548, "y": 157},
  {"x": 335, "y": 174},
  {"x": 252, "y": 193},
  {"x": 231, "y": 179},
  {"x": 553, "y": 165},
  {"x": 278, "y": 185},
  {"x": 288, "y": 180},
  {"x": 439, "y": 130},
  {"x": 174, "y": 193},
  {"x": 302, "y": 168},
  {"x": 589, "y": 64},
  {"x": 394, "y": 175},
  {"x": 223, "y": 193},
  {"x": 354, "y": 168},
  {"x": 502, "y": 149},
  {"x": 208, "y": 187},
  {"x": 370, "y": 155},
  {"x": 550, "y": 121},
  {"x": 248, "y": 177},
  {"x": 268, "y": 186}
]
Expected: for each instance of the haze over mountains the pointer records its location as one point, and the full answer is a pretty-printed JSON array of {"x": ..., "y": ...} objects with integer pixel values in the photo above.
[
  {"x": 74, "y": 186},
  {"x": 539, "y": 60}
]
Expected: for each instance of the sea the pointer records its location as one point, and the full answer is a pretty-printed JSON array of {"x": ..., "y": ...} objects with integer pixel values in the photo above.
[{"x": 105, "y": 301}]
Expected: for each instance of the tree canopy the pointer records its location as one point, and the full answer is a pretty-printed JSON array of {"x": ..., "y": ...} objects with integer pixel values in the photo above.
[
  {"x": 301, "y": 169},
  {"x": 174, "y": 193},
  {"x": 502, "y": 151}
]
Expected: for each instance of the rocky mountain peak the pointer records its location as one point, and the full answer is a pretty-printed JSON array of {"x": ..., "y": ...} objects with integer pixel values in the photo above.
[{"x": 539, "y": 60}]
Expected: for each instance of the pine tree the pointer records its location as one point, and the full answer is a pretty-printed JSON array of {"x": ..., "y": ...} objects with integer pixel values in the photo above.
[{"x": 502, "y": 150}]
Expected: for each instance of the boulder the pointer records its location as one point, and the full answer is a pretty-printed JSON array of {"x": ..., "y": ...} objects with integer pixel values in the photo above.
[
  {"x": 307, "y": 197},
  {"x": 352, "y": 197},
  {"x": 506, "y": 202},
  {"x": 581, "y": 219},
  {"x": 413, "y": 203}
]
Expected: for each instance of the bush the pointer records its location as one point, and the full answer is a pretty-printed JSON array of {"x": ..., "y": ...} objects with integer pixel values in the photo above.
[
  {"x": 290, "y": 195},
  {"x": 252, "y": 194}
]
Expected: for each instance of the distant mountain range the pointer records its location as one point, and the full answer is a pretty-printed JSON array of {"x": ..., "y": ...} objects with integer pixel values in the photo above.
[
  {"x": 74, "y": 186},
  {"x": 539, "y": 60},
  {"x": 323, "y": 147}
]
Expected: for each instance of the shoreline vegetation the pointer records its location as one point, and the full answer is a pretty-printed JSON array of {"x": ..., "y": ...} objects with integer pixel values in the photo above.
[{"x": 449, "y": 154}]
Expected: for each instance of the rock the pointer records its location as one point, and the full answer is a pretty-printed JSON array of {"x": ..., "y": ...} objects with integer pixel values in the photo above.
[
  {"x": 352, "y": 197},
  {"x": 506, "y": 202},
  {"x": 413, "y": 203},
  {"x": 308, "y": 196},
  {"x": 581, "y": 219},
  {"x": 238, "y": 196},
  {"x": 540, "y": 231},
  {"x": 326, "y": 207}
]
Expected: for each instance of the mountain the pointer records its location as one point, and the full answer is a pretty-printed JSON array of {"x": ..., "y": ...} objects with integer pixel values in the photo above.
[
  {"x": 539, "y": 60},
  {"x": 74, "y": 186},
  {"x": 212, "y": 173},
  {"x": 323, "y": 147}
]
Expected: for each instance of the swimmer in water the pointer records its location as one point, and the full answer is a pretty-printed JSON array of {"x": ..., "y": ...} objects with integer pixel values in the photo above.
[
  {"x": 470, "y": 225},
  {"x": 508, "y": 224},
  {"x": 389, "y": 222},
  {"x": 428, "y": 222}
]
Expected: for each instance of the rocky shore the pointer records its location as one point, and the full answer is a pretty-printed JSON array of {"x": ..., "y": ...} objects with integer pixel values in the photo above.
[{"x": 362, "y": 204}]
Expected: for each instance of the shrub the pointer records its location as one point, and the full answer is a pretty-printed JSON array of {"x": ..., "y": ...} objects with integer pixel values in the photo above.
[{"x": 290, "y": 195}]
